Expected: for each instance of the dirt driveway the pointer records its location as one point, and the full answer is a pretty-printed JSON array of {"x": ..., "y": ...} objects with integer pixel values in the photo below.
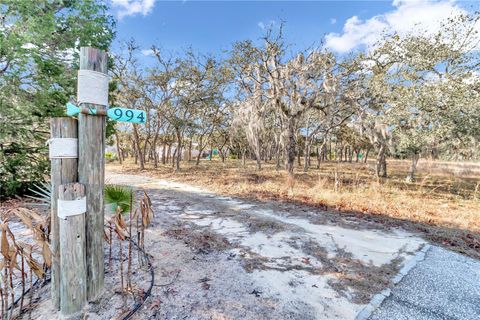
[{"x": 221, "y": 258}]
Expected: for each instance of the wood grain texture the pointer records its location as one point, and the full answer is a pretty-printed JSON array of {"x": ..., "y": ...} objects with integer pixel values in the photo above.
[
  {"x": 62, "y": 171},
  {"x": 91, "y": 173},
  {"x": 73, "y": 277}
]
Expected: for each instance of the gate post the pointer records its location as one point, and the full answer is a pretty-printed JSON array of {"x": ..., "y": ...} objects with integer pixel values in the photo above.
[
  {"x": 73, "y": 277},
  {"x": 93, "y": 94},
  {"x": 63, "y": 156}
]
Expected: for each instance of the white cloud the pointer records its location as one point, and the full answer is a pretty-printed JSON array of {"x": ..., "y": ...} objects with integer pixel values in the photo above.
[
  {"x": 126, "y": 8},
  {"x": 265, "y": 25},
  {"x": 408, "y": 16},
  {"x": 333, "y": 20},
  {"x": 147, "y": 52}
]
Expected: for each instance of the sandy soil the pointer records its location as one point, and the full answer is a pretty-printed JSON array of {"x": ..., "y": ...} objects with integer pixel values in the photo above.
[
  {"x": 222, "y": 258},
  {"x": 112, "y": 305}
]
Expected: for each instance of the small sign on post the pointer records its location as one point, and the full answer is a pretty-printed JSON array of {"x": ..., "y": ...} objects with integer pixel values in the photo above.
[
  {"x": 115, "y": 113},
  {"x": 127, "y": 115}
]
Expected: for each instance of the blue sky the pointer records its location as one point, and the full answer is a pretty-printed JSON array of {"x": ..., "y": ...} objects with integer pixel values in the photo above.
[{"x": 212, "y": 26}]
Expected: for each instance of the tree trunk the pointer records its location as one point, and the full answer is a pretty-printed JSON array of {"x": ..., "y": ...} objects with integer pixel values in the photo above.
[
  {"x": 164, "y": 150},
  {"x": 413, "y": 168},
  {"x": 169, "y": 152},
  {"x": 119, "y": 151},
  {"x": 290, "y": 147},
  {"x": 299, "y": 161},
  {"x": 277, "y": 157},
  {"x": 200, "y": 148},
  {"x": 381, "y": 168},
  {"x": 138, "y": 149},
  {"x": 319, "y": 157},
  {"x": 154, "y": 147},
  {"x": 178, "y": 158},
  {"x": 190, "y": 151},
  {"x": 330, "y": 150},
  {"x": 366, "y": 155},
  {"x": 179, "y": 150},
  {"x": 174, "y": 156},
  {"x": 257, "y": 155},
  {"x": 306, "y": 156},
  {"x": 145, "y": 153},
  {"x": 155, "y": 159},
  {"x": 199, "y": 155},
  {"x": 135, "y": 152}
]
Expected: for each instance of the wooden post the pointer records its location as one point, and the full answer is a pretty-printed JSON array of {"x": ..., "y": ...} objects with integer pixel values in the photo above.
[
  {"x": 73, "y": 278},
  {"x": 63, "y": 170},
  {"x": 91, "y": 173}
]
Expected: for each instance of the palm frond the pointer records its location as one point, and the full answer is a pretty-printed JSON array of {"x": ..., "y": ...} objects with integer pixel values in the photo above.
[
  {"x": 119, "y": 196},
  {"x": 42, "y": 193}
]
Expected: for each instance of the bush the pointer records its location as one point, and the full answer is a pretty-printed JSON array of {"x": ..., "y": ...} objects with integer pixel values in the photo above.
[
  {"x": 110, "y": 157},
  {"x": 20, "y": 170}
]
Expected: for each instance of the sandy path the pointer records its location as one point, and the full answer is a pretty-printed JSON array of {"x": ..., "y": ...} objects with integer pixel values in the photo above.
[{"x": 222, "y": 258}]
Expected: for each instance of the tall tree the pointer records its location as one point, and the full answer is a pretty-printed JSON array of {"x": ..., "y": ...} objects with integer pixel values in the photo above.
[
  {"x": 293, "y": 84},
  {"x": 39, "y": 43},
  {"x": 429, "y": 86}
]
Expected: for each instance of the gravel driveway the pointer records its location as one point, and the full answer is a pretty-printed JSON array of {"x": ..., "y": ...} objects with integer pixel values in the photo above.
[{"x": 218, "y": 257}]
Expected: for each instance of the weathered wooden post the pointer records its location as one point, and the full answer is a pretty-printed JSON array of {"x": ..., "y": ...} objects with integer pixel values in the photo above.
[
  {"x": 92, "y": 95},
  {"x": 63, "y": 156},
  {"x": 73, "y": 276}
]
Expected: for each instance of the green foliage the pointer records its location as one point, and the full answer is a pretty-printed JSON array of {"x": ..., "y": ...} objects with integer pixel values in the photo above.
[
  {"x": 119, "y": 196},
  {"x": 39, "y": 43},
  {"x": 42, "y": 192},
  {"x": 425, "y": 87},
  {"x": 109, "y": 156}
]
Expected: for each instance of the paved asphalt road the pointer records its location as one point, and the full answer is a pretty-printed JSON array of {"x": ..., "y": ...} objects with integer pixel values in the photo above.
[{"x": 445, "y": 285}]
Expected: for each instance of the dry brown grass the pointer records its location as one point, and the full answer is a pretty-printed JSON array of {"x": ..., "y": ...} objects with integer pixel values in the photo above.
[{"x": 443, "y": 203}]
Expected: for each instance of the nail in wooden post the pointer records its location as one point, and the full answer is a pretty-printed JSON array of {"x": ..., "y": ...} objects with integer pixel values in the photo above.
[
  {"x": 91, "y": 173},
  {"x": 73, "y": 278},
  {"x": 62, "y": 171}
]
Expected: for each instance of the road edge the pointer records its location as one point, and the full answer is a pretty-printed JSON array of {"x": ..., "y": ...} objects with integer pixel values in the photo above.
[{"x": 377, "y": 299}]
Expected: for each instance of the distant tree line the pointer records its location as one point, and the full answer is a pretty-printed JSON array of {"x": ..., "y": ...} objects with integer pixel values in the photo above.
[{"x": 408, "y": 96}]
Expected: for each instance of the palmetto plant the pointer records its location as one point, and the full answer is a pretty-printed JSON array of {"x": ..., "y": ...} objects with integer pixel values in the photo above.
[
  {"x": 119, "y": 228},
  {"x": 122, "y": 199},
  {"x": 42, "y": 193},
  {"x": 119, "y": 196}
]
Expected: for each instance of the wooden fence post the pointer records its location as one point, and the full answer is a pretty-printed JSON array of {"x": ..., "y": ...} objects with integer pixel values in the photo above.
[
  {"x": 91, "y": 173},
  {"x": 63, "y": 170},
  {"x": 73, "y": 277}
]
